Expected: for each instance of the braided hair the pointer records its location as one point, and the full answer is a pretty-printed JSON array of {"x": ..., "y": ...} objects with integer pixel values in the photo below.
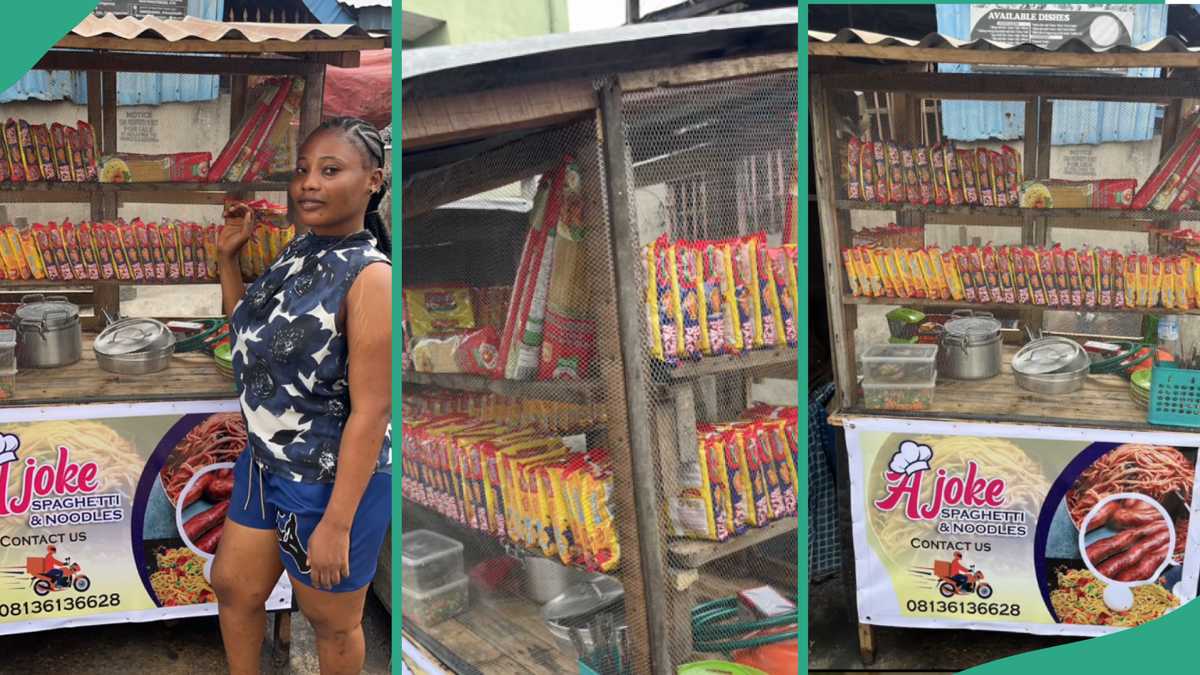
[{"x": 370, "y": 141}]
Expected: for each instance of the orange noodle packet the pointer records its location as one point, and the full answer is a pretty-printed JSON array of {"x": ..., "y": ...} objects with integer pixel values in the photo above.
[
  {"x": 16, "y": 158},
  {"x": 37, "y": 265},
  {"x": 722, "y": 333},
  {"x": 983, "y": 177},
  {"x": 84, "y": 232},
  {"x": 954, "y": 175},
  {"x": 1087, "y": 276},
  {"x": 33, "y": 167},
  {"x": 999, "y": 181},
  {"x": 879, "y": 154},
  {"x": 970, "y": 181},
  {"x": 687, "y": 289},
  {"x": 41, "y": 240},
  {"x": 895, "y": 174},
  {"x": 937, "y": 167},
  {"x": 70, "y": 238},
  {"x": 853, "y": 157},
  {"x": 924, "y": 175},
  {"x": 912, "y": 190},
  {"x": 864, "y": 168}
]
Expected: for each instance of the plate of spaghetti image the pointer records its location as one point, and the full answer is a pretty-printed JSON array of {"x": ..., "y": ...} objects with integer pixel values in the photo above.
[
  {"x": 176, "y": 574},
  {"x": 1162, "y": 473},
  {"x": 219, "y": 438}
]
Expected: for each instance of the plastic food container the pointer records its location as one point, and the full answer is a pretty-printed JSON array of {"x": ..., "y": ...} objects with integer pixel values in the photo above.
[
  {"x": 429, "y": 561},
  {"x": 900, "y": 364},
  {"x": 8, "y": 351},
  {"x": 893, "y": 396},
  {"x": 432, "y": 607},
  {"x": 8, "y": 384}
]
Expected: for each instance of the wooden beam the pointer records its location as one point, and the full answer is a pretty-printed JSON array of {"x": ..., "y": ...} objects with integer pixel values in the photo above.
[
  {"x": 986, "y": 86},
  {"x": 1008, "y": 58},
  {"x": 529, "y": 156},
  {"x": 95, "y": 113},
  {"x": 197, "y": 46},
  {"x": 171, "y": 63},
  {"x": 450, "y": 119},
  {"x": 630, "y": 313},
  {"x": 709, "y": 71}
]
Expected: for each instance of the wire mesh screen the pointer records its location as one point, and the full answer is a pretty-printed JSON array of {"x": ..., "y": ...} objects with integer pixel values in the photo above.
[
  {"x": 710, "y": 167},
  {"x": 515, "y": 439}
]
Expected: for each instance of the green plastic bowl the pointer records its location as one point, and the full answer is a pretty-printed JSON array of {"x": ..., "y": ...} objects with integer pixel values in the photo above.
[
  {"x": 223, "y": 354},
  {"x": 717, "y": 668},
  {"x": 1141, "y": 380}
]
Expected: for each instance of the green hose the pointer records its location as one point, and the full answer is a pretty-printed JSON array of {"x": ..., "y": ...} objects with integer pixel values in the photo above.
[
  {"x": 200, "y": 341},
  {"x": 1117, "y": 364},
  {"x": 710, "y": 636}
]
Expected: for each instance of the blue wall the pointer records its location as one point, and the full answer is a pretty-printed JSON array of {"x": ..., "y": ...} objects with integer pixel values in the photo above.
[
  {"x": 132, "y": 88},
  {"x": 1075, "y": 122}
]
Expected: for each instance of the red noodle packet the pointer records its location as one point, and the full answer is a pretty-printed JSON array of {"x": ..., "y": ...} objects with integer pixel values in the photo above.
[
  {"x": 74, "y": 254},
  {"x": 28, "y": 150},
  {"x": 1012, "y": 171},
  {"x": 87, "y": 250},
  {"x": 912, "y": 191},
  {"x": 157, "y": 255},
  {"x": 924, "y": 174},
  {"x": 41, "y": 237},
  {"x": 1104, "y": 262},
  {"x": 108, "y": 242},
  {"x": 970, "y": 186},
  {"x": 45, "y": 152},
  {"x": 895, "y": 174},
  {"x": 12, "y": 142},
  {"x": 1073, "y": 277},
  {"x": 937, "y": 162},
  {"x": 991, "y": 272},
  {"x": 1037, "y": 291},
  {"x": 853, "y": 155},
  {"x": 62, "y": 154},
  {"x": 75, "y": 154},
  {"x": 169, "y": 236},
  {"x": 1118, "y": 267},
  {"x": 983, "y": 177},
  {"x": 129, "y": 243},
  {"x": 963, "y": 261},
  {"x": 1087, "y": 275},
  {"x": 999, "y": 182},
  {"x": 145, "y": 255},
  {"x": 879, "y": 152},
  {"x": 866, "y": 172}
]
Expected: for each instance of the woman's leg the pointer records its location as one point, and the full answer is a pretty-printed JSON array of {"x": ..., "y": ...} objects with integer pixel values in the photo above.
[
  {"x": 244, "y": 573},
  {"x": 337, "y": 620}
]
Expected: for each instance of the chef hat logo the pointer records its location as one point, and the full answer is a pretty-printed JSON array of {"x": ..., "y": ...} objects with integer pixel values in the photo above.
[
  {"x": 8, "y": 448},
  {"x": 911, "y": 458}
]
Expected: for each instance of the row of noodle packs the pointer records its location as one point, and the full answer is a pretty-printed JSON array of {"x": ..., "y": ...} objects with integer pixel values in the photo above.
[
  {"x": 885, "y": 172},
  {"x": 743, "y": 476},
  {"x": 33, "y": 153},
  {"x": 717, "y": 297},
  {"x": 516, "y": 484},
  {"x": 1053, "y": 277},
  {"x": 173, "y": 251}
]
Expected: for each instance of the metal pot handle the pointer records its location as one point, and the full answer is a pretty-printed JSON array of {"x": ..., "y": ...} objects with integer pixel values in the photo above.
[
  {"x": 57, "y": 298},
  {"x": 32, "y": 297},
  {"x": 963, "y": 312}
]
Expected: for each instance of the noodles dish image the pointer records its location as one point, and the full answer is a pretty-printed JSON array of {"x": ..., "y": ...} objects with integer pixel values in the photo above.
[
  {"x": 1079, "y": 599},
  {"x": 178, "y": 578}
]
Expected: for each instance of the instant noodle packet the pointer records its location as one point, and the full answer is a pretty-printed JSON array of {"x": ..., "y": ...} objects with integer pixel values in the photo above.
[
  {"x": 853, "y": 155},
  {"x": 686, "y": 292},
  {"x": 144, "y": 252},
  {"x": 28, "y": 150},
  {"x": 597, "y": 508},
  {"x": 772, "y": 316},
  {"x": 754, "y": 476},
  {"x": 87, "y": 249},
  {"x": 720, "y": 301},
  {"x": 168, "y": 234},
  {"x": 983, "y": 177},
  {"x": 953, "y": 276},
  {"x": 937, "y": 165},
  {"x": 912, "y": 190},
  {"x": 670, "y": 318},
  {"x": 1087, "y": 275},
  {"x": 991, "y": 272},
  {"x": 45, "y": 252},
  {"x": 877, "y": 268},
  {"x": 954, "y": 175},
  {"x": 16, "y": 158},
  {"x": 892, "y": 266},
  {"x": 1156, "y": 282},
  {"x": 70, "y": 239},
  {"x": 653, "y": 318},
  {"x": 882, "y": 190},
  {"x": 970, "y": 181},
  {"x": 698, "y": 510},
  {"x": 999, "y": 182},
  {"x": 1012, "y": 174},
  {"x": 157, "y": 254},
  {"x": 865, "y": 172},
  {"x": 207, "y": 252},
  {"x": 1118, "y": 267},
  {"x": 1104, "y": 264},
  {"x": 129, "y": 244},
  {"x": 59, "y": 244},
  {"x": 87, "y": 146},
  {"x": 745, "y": 283},
  {"x": 38, "y": 267},
  {"x": 45, "y": 152},
  {"x": 783, "y": 278},
  {"x": 11, "y": 256},
  {"x": 924, "y": 175},
  {"x": 1074, "y": 277},
  {"x": 62, "y": 153},
  {"x": 1004, "y": 266},
  {"x": 895, "y": 174},
  {"x": 439, "y": 310},
  {"x": 75, "y": 155}
]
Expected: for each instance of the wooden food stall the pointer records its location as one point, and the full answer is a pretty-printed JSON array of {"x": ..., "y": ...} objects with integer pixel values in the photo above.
[
  {"x": 584, "y": 164},
  {"x": 132, "y": 519},
  {"x": 955, "y": 466}
]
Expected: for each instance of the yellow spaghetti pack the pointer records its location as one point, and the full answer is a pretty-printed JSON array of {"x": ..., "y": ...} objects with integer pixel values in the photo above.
[
  {"x": 700, "y": 510},
  {"x": 749, "y": 298},
  {"x": 567, "y": 529},
  {"x": 687, "y": 291},
  {"x": 491, "y": 453},
  {"x": 439, "y": 310},
  {"x": 510, "y": 463},
  {"x": 596, "y": 484},
  {"x": 721, "y": 332},
  {"x": 652, "y": 316}
]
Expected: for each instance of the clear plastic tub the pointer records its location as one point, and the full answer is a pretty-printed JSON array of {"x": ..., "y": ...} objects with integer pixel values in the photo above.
[
  {"x": 899, "y": 364},
  {"x": 893, "y": 396},
  {"x": 8, "y": 385},
  {"x": 429, "y": 560},
  {"x": 8, "y": 351},
  {"x": 429, "y": 608}
]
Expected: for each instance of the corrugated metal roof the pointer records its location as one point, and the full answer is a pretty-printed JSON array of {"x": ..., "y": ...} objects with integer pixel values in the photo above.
[
  {"x": 1074, "y": 122},
  {"x": 192, "y": 28},
  {"x": 1160, "y": 46},
  {"x": 328, "y": 11}
]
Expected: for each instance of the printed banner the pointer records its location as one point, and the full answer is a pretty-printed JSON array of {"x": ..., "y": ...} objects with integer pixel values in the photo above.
[
  {"x": 1022, "y": 528},
  {"x": 113, "y": 513}
]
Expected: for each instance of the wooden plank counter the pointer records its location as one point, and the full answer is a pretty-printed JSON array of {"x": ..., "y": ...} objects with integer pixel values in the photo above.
[
  {"x": 191, "y": 376},
  {"x": 1103, "y": 401}
]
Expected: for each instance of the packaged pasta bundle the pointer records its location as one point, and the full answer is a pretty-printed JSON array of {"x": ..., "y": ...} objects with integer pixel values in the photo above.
[
  {"x": 983, "y": 177},
  {"x": 954, "y": 175},
  {"x": 70, "y": 239},
  {"x": 1180, "y": 277},
  {"x": 1119, "y": 292},
  {"x": 28, "y": 150},
  {"x": 45, "y": 151},
  {"x": 1156, "y": 282},
  {"x": 129, "y": 245},
  {"x": 1004, "y": 266},
  {"x": 991, "y": 272},
  {"x": 745, "y": 283},
  {"x": 1012, "y": 174},
  {"x": 1074, "y": 277},
  {"x": 75, "y": 155},
  {"x": 892, "y": 265},
  {"x": 207, "y": 252},
  {"x": 851, "y": 274},
  {"x": 1087, "y": 275},
  {"x": 924, "y": 174},
  {"x": 16, "y": 159},
  {"x": 970, "y": 179},
  {"x": 769, "y": 305},
  {"x": 87, "y": 146},
  {"x": 933, "y": 279},
  {"x": 605, "y": 552},
  {"x": 168, "y": 235},
  {"x": 157, "y": 255},
  {"x": 10, "y": 256},
  {"x": 439, "y": 310},
  {"x": 999, "y": 182},
  {"x": 669, "y": 316},
  {"x": 882, "y": 191},
  {"x": 686, "y": 293},
  {"x": 87, "y": 248},
  {"x": 722, "y": 334},
  {"x": 62, "y": 155},
  {"x": 653, "y": 320},
  {"x": 851, "y": 171},
  {"x": 46, "y": 252},
  {"x": 697, "y": 511},
  {"x": 145, "y": 254},
  {"x": 783, "y": 279},
  {"x": 865, "y": 175},
  {"x": 895, "y": 174},
  {"x": 38, "y": 266},
  {"x": 937, "y": 178},
  {"x": 912, "y": 190}
]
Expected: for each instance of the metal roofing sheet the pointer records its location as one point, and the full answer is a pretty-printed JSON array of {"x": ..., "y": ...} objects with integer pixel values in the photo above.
[
  {"x": 192, "y": 28},
  {"x": 1164, "y": 45}
]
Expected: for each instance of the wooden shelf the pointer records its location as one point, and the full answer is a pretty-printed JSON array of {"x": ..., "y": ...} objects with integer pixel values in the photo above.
[
  {"x": 926, "y": 302},
  {"x": 712, "y": 365},
  {"x": 1017, "y": 212},
  {"x": 552, "y": 390},
  {"x": 88, "y": 283},
  {"x": 153, "y": 193},
  {"x": 693, "y": 553}
]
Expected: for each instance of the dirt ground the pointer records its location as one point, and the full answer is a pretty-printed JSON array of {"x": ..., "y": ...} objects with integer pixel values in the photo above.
[
  {"x": 833, "y": 640},
  {"x": 184, "y": 647}
]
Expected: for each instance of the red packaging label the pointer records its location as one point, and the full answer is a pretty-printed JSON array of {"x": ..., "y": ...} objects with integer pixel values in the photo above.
[
  {"x": 882, "y": 193},
  {"x": 866, "y": 175},
  {"x": 937, "y": 160},
  {"x": 87, "y": 249},
  {"x": 966, "y": 164},
  {"x": 983, "y": 177},
  {"x": 853, "y": 154},
  {"x": 924, "y": 175},
  {"x": 42, "y": 238},
  {"x": 74, "y": 254}
]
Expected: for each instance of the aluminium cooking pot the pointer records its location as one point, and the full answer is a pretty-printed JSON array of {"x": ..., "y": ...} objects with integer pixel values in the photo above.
[
  {"x": 48, "y": 332},
  {"x": 969, "y": 346}
]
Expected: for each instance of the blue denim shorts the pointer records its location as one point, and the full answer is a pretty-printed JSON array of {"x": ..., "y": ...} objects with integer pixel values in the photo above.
[{"x": 263, "y": 501}]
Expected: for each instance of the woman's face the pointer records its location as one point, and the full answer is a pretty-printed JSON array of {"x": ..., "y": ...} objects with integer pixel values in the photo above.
[{"x": 332, "y": 183}]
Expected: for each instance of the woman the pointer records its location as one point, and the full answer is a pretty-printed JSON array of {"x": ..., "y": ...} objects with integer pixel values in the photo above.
[{"x": 312, "y": 356}]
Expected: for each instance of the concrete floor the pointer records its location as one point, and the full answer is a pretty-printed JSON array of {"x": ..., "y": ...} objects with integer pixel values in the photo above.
[
  {"x": 833, "y": 640},
  {"x": 185, "y": 647}
]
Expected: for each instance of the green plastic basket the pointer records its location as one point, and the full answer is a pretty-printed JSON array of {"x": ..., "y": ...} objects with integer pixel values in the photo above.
[{"x": 1174, "y": 396}]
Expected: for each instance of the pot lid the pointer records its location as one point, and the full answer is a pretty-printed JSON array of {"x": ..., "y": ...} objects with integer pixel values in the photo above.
[
  {"x": 130, "y": 336},
  {"x": 1047, "y": 355},
  {"x": 584, "y": 599},
  {"x": 53, "y": 312},
  {"x": 973, "y": 327}
]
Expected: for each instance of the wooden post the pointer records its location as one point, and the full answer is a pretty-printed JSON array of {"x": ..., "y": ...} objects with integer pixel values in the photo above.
[
  {"x": 630, "y": 309},
  {"x": 106, "y": 295},
  {"x": 281, "y": 647},
  {"x": 310, "y": 115}
]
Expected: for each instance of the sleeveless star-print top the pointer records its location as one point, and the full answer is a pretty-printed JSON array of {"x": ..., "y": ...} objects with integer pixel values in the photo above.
[{"x": 290, "y": 356}]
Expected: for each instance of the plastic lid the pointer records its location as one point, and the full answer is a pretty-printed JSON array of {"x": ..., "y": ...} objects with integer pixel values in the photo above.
[
  {"x": 717, "y": 668},
  {"x": 906, "y": 315},
  {"x": 584, "y": 599},
  {"x": 130, "y": 336},
  {"x": 8, "y": 338},
  {"x": 420, "y": 545},
  {"x": 900, "y": 352}
]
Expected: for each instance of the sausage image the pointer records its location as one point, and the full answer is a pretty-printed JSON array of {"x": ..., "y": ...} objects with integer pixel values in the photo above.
[
  {"x": 219, "y": 489},
  {"x": 205, "y": 520},
  {"x": 1144, "y": 568},
  {"x": 1105, "y": 548},
  {"x": 1133, "y": 517},
  {"x": 1102, "y": 516},
  {"x": 1119, "y": 563},
  {"x": 208, "y": 543},
  {"x": 197, "y": 489}
]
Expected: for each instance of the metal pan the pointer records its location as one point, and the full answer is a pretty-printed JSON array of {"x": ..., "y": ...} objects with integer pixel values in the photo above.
[{"x": 1068, "y": 379}]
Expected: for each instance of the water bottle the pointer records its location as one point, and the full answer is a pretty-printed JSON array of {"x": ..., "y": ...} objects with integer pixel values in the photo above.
[{"x": 1169, "y": 348}]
